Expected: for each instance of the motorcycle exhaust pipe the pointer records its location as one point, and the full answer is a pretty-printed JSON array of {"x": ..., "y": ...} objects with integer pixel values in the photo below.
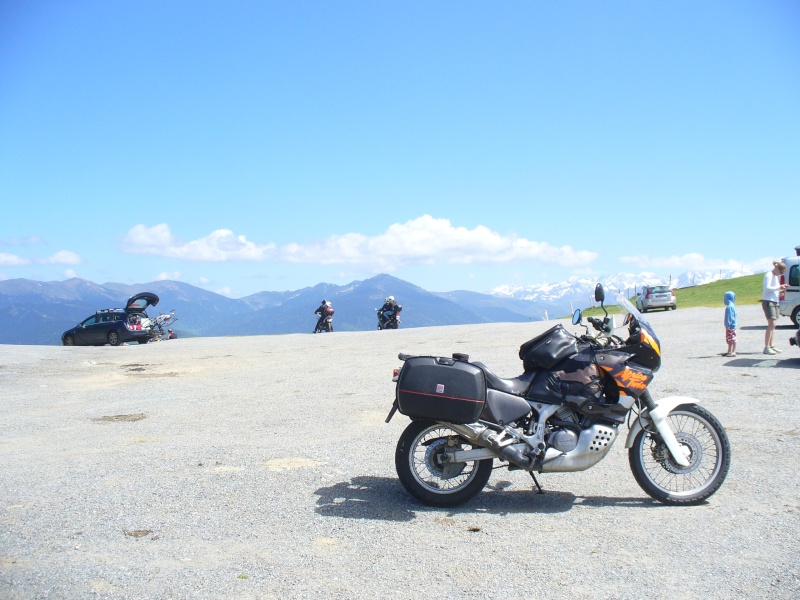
[{"x": 480, "y": 435}]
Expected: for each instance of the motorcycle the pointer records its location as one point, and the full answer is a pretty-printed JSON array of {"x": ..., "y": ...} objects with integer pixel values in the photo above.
[
  {"x": 561, "y": 415},
  {"x": 324, "y": 323},
  {"x": 393, "y": 322}
]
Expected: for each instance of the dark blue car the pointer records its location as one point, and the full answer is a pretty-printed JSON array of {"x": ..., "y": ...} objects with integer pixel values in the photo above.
[{"x": 115, "y": 326}]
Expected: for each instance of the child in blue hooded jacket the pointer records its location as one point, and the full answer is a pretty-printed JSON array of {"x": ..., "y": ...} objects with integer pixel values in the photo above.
[{"x": 730, "y": 323}]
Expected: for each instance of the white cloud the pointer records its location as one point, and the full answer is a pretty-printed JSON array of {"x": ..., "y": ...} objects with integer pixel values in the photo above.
[
  {"x": 425, "y": 240},
  {"x": 12, "y": 260},
  {"x": 30, "y": 240},
  {"x": 171, "y": 276},
  {"x": 62, "y": 257},
  {"x": 70, "y": 273},
  {"x": 687, "y": 262},
  {"x": 219, "y": 246}
]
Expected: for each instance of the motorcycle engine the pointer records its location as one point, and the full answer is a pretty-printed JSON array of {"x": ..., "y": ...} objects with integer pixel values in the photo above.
[{"x": 563, "y": 439}]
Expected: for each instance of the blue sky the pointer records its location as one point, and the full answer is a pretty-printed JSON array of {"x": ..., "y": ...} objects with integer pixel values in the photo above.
[{"x": 248, "y": 146}]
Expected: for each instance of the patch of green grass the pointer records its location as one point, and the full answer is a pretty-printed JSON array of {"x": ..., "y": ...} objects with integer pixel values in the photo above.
[{"x": 747, "y": 290}]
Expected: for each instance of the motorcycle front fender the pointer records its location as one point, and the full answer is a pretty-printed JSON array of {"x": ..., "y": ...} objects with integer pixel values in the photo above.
[{"x": 658, "y": 417}]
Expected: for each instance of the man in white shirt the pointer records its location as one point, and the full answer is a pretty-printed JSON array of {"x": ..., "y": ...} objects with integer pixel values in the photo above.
[{"x": 770, "y": 300}]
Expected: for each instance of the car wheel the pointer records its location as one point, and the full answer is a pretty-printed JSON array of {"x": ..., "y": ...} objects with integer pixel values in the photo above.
[
  {"x": 68, "y": 341},
  {"x": 113, "y": 338},
  {"x": 796, "y": 316}
]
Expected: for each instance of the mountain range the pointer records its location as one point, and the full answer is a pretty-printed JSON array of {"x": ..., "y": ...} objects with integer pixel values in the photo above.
[{"x": 36, "y": 312}]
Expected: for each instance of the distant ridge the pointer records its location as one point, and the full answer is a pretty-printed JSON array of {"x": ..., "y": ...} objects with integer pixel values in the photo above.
[{"x": 35, "y": 312}]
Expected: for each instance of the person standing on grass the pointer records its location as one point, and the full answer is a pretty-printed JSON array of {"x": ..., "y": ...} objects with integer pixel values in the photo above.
[
  {"x": 769, "y": 302},
  {"x": 730, "y": 323}
]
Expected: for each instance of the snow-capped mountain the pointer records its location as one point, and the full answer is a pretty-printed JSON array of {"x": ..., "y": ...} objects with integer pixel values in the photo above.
[{"x": 578, "y": 289}]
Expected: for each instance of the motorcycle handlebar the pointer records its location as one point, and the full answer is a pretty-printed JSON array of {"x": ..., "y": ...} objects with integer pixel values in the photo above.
[{"x": 596, "y": 323}]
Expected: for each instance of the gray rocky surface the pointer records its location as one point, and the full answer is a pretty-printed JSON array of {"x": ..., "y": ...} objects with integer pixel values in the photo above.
[{"x": 260, "y": 467}]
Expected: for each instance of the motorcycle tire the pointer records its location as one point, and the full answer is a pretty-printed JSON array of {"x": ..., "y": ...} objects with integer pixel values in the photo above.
[
  {"x": 709, "y": 453},
  {"x": 418, "y": 463}
]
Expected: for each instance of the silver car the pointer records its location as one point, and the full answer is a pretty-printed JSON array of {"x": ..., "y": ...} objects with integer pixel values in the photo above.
[{"x": 656, "y": 296}]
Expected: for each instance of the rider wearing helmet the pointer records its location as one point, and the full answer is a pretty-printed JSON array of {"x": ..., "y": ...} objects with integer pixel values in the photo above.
[
  {"x": 388, "y": 309},
  {"x": 323, "y": 311}
]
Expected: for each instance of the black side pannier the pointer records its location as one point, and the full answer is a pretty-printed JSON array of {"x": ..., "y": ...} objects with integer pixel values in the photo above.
[
  {"x": 442, "y": 389},
  {"x": 548, "y": 349}
]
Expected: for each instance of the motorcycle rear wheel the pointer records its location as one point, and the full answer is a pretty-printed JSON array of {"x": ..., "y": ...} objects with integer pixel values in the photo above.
[
  {"x": 421, "y": 471},
  {"x": 708, "y": 451}
]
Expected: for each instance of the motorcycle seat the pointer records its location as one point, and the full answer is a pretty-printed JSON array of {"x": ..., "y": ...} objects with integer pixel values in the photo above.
[{"x": 513, "y": 385}]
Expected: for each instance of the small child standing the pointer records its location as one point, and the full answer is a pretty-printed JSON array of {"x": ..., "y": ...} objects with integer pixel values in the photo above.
[{"x": 730, "y": 323}]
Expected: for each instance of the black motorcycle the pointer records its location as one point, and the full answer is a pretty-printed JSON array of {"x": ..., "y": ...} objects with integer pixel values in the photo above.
[
  {"x": 562, "y": 414},
  {"x": 390, "y": 322},
  {"x": 325, "y": 320}
]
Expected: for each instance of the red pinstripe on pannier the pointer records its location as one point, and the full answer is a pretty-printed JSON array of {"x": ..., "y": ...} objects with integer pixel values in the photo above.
[{"x": 442, "y": 389}]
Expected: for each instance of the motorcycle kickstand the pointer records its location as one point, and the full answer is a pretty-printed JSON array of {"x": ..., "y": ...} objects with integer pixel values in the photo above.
[{"x": 539, "y": 487}]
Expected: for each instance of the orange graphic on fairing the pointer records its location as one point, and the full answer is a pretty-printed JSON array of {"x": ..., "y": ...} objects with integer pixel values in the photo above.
[
  {"x": 651, "y": 342},
  {"x": 628, "y": 379}
]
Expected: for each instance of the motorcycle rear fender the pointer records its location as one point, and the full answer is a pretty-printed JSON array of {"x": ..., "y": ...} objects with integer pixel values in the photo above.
[{"x": 657, "y": 417}]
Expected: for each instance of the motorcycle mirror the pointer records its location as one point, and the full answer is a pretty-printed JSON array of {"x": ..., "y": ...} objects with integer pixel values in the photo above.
[
  {"x": 577, "y": 317},
  {"x": 599, "y": 294}
]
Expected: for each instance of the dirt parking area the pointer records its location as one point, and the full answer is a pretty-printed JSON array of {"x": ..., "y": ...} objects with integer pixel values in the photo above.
[{"x": 261, "y": 467}]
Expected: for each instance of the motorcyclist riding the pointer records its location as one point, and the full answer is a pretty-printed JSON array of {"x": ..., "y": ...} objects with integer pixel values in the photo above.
[
  {"x": 387, "y": 311},
  {"x": 325, "y": 309}
]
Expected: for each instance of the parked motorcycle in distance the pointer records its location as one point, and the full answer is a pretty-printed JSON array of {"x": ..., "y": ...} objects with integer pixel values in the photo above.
[
  {"x": 393, "y": 322},
  {"x": 561, "y": 415}
]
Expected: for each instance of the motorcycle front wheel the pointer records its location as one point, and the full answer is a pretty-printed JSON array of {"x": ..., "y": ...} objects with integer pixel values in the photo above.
[
  {"x": 419, "y": 464},
  {"x": 707, "y": 448}
]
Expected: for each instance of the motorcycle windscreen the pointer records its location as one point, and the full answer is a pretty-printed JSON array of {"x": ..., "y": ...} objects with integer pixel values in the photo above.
[{"x": 441, "y": 389}]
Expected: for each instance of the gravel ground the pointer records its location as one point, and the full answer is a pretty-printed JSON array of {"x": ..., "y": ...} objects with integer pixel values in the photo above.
[{"x": 261, "y": 467}]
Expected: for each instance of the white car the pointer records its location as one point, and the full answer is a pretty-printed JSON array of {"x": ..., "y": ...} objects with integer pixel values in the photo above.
[
  {"x": 790, "y": 299},
  {"x": 656, "y": 296}
]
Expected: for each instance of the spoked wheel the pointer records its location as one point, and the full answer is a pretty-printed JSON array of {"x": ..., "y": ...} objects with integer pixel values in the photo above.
[
  {"x": 422, "y": 470},
  {"x": 707, "y": 448},
  {"x": 113, "y": 338}
]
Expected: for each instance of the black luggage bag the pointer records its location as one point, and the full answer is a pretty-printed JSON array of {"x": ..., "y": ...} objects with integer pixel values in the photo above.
[
  {"x": 548, "y": 349},
  {"x": 441, "y": 389}
]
